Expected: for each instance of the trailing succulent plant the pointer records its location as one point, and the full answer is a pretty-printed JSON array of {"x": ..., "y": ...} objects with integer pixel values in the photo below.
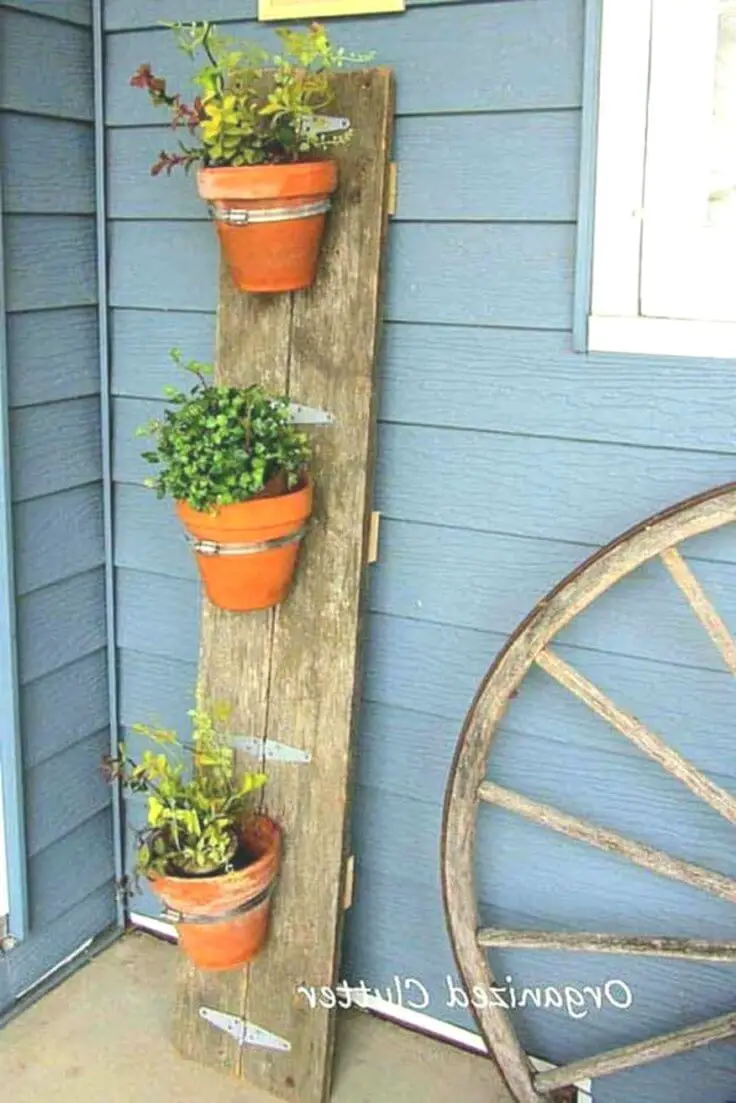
[
  {"x": 195, "y": 807},
  {"x": 217, "y": 445},
  {"x": 254, "y": 107}
]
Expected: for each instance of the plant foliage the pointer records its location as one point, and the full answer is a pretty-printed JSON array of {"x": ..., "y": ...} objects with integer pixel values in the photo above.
[
  {"x": 217, "y": 445},
  {"x": 254, "y": 107},
  {"x": 195, "y": 807}
]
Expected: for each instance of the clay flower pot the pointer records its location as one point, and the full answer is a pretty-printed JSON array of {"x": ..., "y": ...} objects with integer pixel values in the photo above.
[
  {"x": 222, "y": 920},
  {"x": 270, "y": 220},
  {"x": 247, "y": 552}
]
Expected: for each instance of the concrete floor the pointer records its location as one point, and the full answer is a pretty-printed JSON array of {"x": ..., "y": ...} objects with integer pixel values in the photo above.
[{"x": 103, "y": 1035}]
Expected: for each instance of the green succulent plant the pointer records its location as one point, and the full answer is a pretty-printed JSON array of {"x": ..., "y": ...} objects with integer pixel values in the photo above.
[
  {"x": 254, "y": 107},
  {"x": 217, "y": 445},
  {"x": 195, "y": 807}
]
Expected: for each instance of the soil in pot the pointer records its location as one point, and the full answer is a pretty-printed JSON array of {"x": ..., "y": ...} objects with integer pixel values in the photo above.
[
  {"x": 247, "y": 552},
  {"x": 270, "y": 220},
  {"x": 225, "y": 918}
]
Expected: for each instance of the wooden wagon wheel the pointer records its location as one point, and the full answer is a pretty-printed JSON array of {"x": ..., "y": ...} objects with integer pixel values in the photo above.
[{"x": 529, "y": 646}]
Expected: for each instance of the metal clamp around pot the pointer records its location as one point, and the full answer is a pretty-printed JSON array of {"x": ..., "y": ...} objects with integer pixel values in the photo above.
[
  {"x": 242, "y": 216},
  {"x": 172, "y": 916},
  {"x": 211, "y": 547}
]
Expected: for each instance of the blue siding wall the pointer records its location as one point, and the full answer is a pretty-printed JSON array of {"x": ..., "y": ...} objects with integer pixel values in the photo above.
[
  {"x": 47, "y": 143},
  {"x": 504, "y": 458}
]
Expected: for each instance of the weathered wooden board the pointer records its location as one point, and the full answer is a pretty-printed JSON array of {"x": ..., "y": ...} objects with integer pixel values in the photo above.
[{"x": 291, "y": 673}]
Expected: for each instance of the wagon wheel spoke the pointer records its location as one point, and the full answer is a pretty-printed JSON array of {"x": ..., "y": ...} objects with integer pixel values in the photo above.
[
  {"x": 653, "y": 745},
  {"x": 694, "y": 949},
  {"x": 529, "y": 646},
  {"x": 700, "y": 604},
  {"x": 718, "y": 884}
]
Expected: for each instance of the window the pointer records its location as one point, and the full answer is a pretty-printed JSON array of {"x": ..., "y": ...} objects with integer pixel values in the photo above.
[{"x": 664, "y": 238}]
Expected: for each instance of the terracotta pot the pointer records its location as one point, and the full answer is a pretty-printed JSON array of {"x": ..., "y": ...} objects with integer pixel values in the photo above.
[
  {"x": 247, "y": 552},
  {"x": 220, "y": 935},
  {"x": 270, "y": 220}
]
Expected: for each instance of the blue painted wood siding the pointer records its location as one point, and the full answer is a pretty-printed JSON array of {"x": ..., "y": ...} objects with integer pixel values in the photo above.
[
  {"x": 47, "y": 142},
  {"x": 504, "y": 458}
]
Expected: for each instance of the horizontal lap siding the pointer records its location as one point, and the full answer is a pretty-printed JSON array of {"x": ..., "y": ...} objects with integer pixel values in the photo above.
[
  {"x": 47, "y": 139},
  {"x": 504, "y": 459}
]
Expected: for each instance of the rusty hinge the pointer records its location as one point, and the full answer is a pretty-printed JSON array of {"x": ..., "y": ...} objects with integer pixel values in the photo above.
[
  {"x": 393, "y": 188},
  {"x": 347, "y": 898}
]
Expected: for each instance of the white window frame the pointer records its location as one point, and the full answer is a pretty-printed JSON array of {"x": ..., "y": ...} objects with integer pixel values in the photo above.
[{"x": 615, "y": 321}]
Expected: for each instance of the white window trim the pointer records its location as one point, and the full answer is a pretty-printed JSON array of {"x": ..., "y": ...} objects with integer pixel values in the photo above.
[{"x": 614, "y": 321}]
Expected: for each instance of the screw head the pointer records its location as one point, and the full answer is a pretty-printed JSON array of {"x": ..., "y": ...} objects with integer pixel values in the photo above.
[{"x": 9, "y": 942}]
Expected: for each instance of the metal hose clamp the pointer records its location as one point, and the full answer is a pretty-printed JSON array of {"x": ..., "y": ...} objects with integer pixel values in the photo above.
[
  {"x": 211, "y": 547},
  {"x": 243, "y": 216}
]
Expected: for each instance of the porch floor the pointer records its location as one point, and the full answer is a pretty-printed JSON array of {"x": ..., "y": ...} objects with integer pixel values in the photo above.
[{"x": 104, "y": 1035}]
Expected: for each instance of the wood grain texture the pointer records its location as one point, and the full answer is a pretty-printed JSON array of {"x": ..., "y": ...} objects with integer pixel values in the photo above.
[
  {"x": 668, "y": 1045},
  {"x": 55, "y": 447},
  {"x": 631, "y": 728},
  {"x": 294, "y": 670},
  {"x": 512, "y": 60},
  {"x": 64, "y": 791},
  {"x": 570, "y": 598},
  {"x": 502, "y": 379},
  {"x": 61, "y": 84},
  {"x": 53, "y": 261},
  {"x": 52, "y": 355},
  {"x": 695, "y": 949},
  {"x": 490, "y": 274},
  {"x": 51, "y": 166},
  {"x": 58, "y": 536},
  {"x": 60, "y": 624},
  {"x": 657, "y": 861},
  {"x": 61, "y": 707},
  {"x": 701, "y": 606},
  {"x": 530, "y": 176}
]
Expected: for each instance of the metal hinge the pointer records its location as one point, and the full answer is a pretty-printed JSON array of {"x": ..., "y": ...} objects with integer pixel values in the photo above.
[
  {"x": 309, "y": 415},
  {"x": 270, "y": 750},
  {"x": 244, "y": 1033},
  {"x": 324, "y": 124},
  {"x": 392, "y": 197},
  {"x": 7, "y": 940}
]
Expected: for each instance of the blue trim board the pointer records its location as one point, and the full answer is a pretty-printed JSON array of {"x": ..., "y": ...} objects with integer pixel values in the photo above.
[
  {"x": 11, "y": 762},
  {"x": 98, "y": 35},
  {"x": 588, "y": 157}
]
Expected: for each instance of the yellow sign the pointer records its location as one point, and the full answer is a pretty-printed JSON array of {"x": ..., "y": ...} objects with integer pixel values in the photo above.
[{"x": 318, "y": 9}]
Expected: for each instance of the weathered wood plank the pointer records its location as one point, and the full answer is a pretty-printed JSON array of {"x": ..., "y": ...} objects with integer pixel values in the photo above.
[
  {"x": 702, "y": 607},
  {"x": 52, "y": 355},
  {"x": 52, "y": 166},
  {"x": 631, "y": 728},
  {"x": 531, "y": 176},
  {"x": 657, "y": 861},
  {"x": 642, "y": 1053},
  {"x": 695, "y": 949},
  {"x": 61, "y": 84},
  {"x": 294, "y": 669},
  {"x": 507, "y": 274},
  {"x": 511, "y": 59},
  {"x": 52, "y": 261}
]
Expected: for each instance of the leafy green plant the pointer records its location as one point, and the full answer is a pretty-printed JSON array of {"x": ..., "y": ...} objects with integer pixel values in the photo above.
[
  {"x": 194, "y": 805},
  {"x": 254, "y": 107},
  {"x": 217, "y": 445}
]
